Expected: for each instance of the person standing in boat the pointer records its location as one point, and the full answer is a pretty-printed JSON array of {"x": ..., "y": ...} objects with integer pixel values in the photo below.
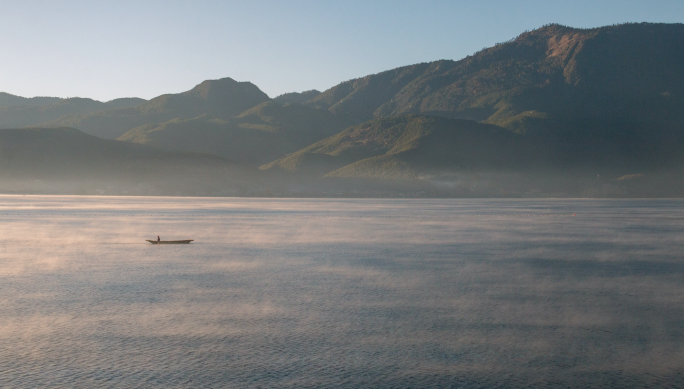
[{"x": 158, "y": 240}]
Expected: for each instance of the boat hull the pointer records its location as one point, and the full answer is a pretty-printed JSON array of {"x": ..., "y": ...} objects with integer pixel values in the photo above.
[{"x": 170, "y": 241}]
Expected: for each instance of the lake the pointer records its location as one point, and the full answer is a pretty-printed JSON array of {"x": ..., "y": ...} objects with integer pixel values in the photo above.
[{"x": 297, "y": 293}]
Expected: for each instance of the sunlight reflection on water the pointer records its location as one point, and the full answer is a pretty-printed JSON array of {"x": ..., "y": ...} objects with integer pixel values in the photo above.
[{"x": 340, "y": 293}]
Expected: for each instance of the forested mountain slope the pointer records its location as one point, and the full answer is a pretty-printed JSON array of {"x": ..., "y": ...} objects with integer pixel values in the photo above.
[
  {"x": 408, "y": 146},
  {"x": 625, "y": 73}
]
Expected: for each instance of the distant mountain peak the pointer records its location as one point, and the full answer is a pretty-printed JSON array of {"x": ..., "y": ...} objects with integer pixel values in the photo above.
[
  {"x": 228, "y": 94},
  {"x": 209, "y": 88}
]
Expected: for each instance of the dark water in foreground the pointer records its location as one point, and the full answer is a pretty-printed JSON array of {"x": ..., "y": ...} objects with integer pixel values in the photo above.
[{"x": 341, "y": 293}]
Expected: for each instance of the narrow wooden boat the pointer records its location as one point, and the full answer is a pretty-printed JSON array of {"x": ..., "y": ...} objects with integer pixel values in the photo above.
[{"x": 171, "y": 241}]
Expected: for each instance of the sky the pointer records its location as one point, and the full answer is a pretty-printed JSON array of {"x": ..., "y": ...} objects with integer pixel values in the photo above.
[{"x": 111, "y": 49}]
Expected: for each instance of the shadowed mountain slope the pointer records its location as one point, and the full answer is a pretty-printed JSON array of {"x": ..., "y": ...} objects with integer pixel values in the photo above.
[
  {"x": 627, "y": 73},
  {"x": 256, "y": 136},
  {"x": 16, "y": 116},
  {"x": 222, "y": 98},
  {"x": 53, "y": 153}
]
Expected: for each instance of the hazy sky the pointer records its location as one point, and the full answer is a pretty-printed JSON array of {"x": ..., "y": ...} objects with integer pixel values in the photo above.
[{"x": 110, "y": 49}]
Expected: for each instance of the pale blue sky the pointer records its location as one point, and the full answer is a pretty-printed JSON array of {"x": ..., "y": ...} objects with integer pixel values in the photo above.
[{"x": 110, "y": 49}]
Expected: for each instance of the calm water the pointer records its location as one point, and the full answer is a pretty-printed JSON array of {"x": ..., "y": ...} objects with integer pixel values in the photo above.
[{"x": 340, "y": 293}]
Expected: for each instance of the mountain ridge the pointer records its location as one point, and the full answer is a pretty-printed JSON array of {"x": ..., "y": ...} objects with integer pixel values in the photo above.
[
  {"x": 67, "y": 152},
  {"x": 557, "y": 103},
  {"x": 256, "y": 136},
  {"x": 218, "y": 98},
  {"x": 27, "y": 112},
  {"x": 506, "y": 80}
]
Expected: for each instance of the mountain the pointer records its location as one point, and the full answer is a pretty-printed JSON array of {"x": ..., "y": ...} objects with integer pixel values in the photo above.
[
  {"x": 584, "y": 105},
  {"x": 222, "y": 98},
  {"x": 414, "y": 146},
  {"x": 256, "y": 136},
  {"x": 7, "y": 99},
  {"x": 437, "y": 156},
  {"x": 31, "y": 113},
  {"x": 124, "y": 102},
  {"x": 47, "y": 153},
  {"x": 631, "y": 73},
  {"x": 557, "y": 103},
  {"x": 408, "y": 146},
  {"x": 68, "y": 161},
  {"x": 557, "y": 110},
  {"x": 296, "y": 97}
]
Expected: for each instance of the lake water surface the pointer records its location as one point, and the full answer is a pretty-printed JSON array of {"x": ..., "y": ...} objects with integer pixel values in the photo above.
[{"x": 300, "y": 293}]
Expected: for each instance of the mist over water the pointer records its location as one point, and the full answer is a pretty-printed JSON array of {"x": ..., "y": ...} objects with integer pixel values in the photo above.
[{"x": 340, "y": 293}]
